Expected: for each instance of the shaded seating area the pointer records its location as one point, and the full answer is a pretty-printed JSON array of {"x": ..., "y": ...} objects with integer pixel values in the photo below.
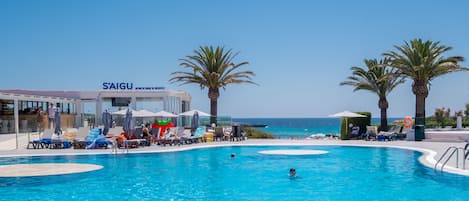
[{"x": 355, "y": 132}]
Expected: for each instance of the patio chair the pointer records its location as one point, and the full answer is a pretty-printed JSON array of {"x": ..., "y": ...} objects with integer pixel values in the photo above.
[
  {"x": 371, "y": 132},
  {"x": 156, "y": 134},
  {"x": 115, "y": 131},
  {"x": 198, "y": 135},
  {"x": 392, "y": 133},
  {"x": 80, "y": 138},
  {"x": 236, "y": 133},
  {"x": 95, "y": 139},
  {"x": 219, "y": 134},
  {"x": 183, "y": 136},
  {"x": 227, "y": 133},
  {"x": 169, "y": 137}
]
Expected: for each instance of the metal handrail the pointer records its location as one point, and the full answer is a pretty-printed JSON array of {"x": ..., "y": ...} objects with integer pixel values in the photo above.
[
  {"x": 454, "y": 149},
  {"x": 466, "y": 154}
]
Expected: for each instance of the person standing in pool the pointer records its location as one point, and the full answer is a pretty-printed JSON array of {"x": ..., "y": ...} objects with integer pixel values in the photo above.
[{"x": 292, "y": 172}]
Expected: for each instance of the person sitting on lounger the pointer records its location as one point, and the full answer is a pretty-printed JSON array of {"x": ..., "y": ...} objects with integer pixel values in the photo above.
[{"x": 147, "y": 135}]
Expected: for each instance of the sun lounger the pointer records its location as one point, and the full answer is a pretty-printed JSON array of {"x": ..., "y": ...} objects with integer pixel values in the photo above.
[
  {"x": 168, "y": 138},
  {"x": 371, "y": 132},
  {"x": 198, "y": 135},
  {"x": 80, "y": 139},
  {"x": 392, "y": 133},
  {"x": 44, "y": 141},
  {"x": 219, "y": 134},
  {"x": 156, "y": 134},
  {"x": 236, "y": 133}
]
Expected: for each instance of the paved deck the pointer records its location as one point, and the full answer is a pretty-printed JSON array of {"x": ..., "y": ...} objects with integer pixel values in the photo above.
[{"x": 432, "y": 150}]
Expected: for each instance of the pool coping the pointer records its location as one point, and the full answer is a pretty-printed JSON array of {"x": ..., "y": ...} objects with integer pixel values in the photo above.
[{"x": 427, "y": 158}]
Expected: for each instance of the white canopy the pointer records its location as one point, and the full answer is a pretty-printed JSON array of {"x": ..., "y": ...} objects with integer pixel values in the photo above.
[
  {"x": 123, "y": 112},
  {"x": 191, "y": 113},
  {"x": 143, "y": 113},
  {"x": 163, "y": 113},
  {"x": 347, "y": 114},
  {"x": 139, "y": 113}
]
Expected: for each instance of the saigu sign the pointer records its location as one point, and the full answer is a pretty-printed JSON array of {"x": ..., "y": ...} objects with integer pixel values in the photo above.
[{"x": 126, "y": 86}]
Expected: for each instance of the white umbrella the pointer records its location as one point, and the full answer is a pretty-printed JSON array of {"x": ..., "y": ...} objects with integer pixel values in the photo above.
[
  {"x": 346, "y": 115},
  {"x": 191, "y": 113},
  {"x": 123, "y": 112},
  {"x": 163, "y": 113},
  {"x": 144, "y": 113}
]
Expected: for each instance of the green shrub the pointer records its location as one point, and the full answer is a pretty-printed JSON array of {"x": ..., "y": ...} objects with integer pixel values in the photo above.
[
  {"x": 465, "y": 122},
  {"x": 431, "y": 123},
  {"x": 253, "y": 133}
]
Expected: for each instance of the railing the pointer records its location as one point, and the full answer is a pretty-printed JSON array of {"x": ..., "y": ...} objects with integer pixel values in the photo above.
[
  {"x": 466, "y": 155},
  {"x": 449, "y": 153},
  {"x": 451, "y": 150}
]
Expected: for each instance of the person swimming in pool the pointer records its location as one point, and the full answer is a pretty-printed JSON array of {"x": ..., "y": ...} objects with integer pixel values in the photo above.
[{"x": 292, "y": 172}]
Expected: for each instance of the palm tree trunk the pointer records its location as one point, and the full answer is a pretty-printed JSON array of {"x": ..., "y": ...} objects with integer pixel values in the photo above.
[
  {"x": 419, "y": 109},
  {"x": 383, "y": 105},
  {"x": 420, "y": 89},
  {"x": 384, "y": 119},
  {"x": 213, "y": 94},
  {"x": 213, "y": 110}
]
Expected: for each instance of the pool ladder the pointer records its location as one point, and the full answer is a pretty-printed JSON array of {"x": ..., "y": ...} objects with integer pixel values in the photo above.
[{"x": 451, "y": 151}]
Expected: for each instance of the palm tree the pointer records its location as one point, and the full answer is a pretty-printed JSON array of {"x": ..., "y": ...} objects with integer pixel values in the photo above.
[
  {"x": 213, "y": 69},
  {"x": 380, "y": 79},
  {"x": 422, "y": 61}
]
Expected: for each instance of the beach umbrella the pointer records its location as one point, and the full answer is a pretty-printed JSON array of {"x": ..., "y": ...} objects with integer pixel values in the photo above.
[
  {"x": 194, "y": 121},
  {"x": 58, "y": 129},
  {"x": 191, "y": 113},
  {"x": 143, "y": 113},
  {"x": 123, "y": 112},
  {"x": 346, "y": 115},
  {"x": 127, "y": 121},
  {"x": 163, "y": 113},
  {"x": 107, "y": 121}
]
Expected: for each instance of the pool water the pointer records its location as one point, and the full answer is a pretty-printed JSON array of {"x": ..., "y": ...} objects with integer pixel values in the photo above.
[{"x": 345, "y": 173}]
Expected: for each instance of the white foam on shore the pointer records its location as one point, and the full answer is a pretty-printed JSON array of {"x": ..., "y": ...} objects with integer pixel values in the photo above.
[
  {"x": 293, "y": 152},
  {"x": 45, "y": 169}
]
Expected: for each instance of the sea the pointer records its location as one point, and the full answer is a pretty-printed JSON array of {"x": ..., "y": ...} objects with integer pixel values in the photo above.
[{"x": 300, "y": 127}]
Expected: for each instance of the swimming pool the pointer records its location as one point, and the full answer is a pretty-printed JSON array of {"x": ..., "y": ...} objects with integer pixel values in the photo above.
[{"x": 345, "y": 173}]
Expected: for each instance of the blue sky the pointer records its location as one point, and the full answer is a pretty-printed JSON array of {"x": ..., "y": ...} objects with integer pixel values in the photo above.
[{"x": 300, "y": 50}]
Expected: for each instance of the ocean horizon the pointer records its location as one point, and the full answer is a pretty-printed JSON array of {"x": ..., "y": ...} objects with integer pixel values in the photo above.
[{"x": 300, "y": 127}]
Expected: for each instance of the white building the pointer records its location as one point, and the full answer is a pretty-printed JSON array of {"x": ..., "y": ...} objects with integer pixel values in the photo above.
[{"x": 18, "y": 107}]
